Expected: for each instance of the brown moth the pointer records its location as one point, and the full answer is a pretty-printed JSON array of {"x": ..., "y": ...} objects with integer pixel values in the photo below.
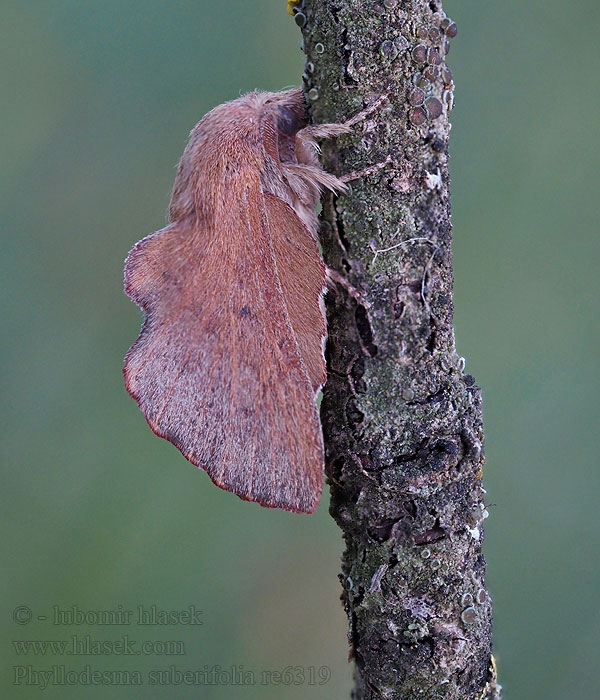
[{"x": 230, "y": 359}]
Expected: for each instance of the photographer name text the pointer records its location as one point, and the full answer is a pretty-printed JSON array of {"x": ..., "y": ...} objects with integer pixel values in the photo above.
[{"x": 142, "y": 615}]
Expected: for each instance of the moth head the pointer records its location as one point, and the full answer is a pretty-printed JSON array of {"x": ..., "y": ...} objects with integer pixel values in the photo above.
[
  {"x": 270, "y": 118},
  {"x": 291, "y": 113},
  {"x": 286, "y": 113}
]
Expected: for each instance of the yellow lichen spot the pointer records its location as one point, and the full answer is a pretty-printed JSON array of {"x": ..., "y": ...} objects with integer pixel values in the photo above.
[
  {"x": 492, "y": 687},
  {"x": 291, "y": 4},
  {"x": 493, "y": 668}
]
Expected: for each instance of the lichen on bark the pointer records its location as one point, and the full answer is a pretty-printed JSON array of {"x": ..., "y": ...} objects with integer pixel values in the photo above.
[{"x": 401, "y": 419}]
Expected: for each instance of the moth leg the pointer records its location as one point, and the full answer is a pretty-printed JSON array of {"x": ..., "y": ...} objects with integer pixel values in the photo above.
[
  {"x": 356, "y": 174},
  {"x": 308, "y": 135},
  {"x": 332, "y": 130},
  {"x": 362, "y": 115},
  {"x": 325, "y": 131},
  {"x": 333, "y": 277}
]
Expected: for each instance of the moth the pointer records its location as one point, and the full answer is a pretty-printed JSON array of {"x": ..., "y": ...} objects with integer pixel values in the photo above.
[{"x": 230, "y": 358}]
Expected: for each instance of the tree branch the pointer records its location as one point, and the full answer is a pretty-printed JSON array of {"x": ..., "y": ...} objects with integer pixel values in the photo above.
[{"x": 402, "y": 421}]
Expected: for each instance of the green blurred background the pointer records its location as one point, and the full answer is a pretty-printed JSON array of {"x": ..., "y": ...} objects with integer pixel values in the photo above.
[{"x": 97, "y": 100}]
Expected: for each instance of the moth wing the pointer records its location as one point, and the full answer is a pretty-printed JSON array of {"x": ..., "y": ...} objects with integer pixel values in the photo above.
[
  {"x": 302, "y": 274},
  {"x": 225, "y": 366}
]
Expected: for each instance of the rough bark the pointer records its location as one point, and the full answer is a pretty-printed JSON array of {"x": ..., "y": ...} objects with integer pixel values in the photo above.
[{"x": 402, "y": 421}]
